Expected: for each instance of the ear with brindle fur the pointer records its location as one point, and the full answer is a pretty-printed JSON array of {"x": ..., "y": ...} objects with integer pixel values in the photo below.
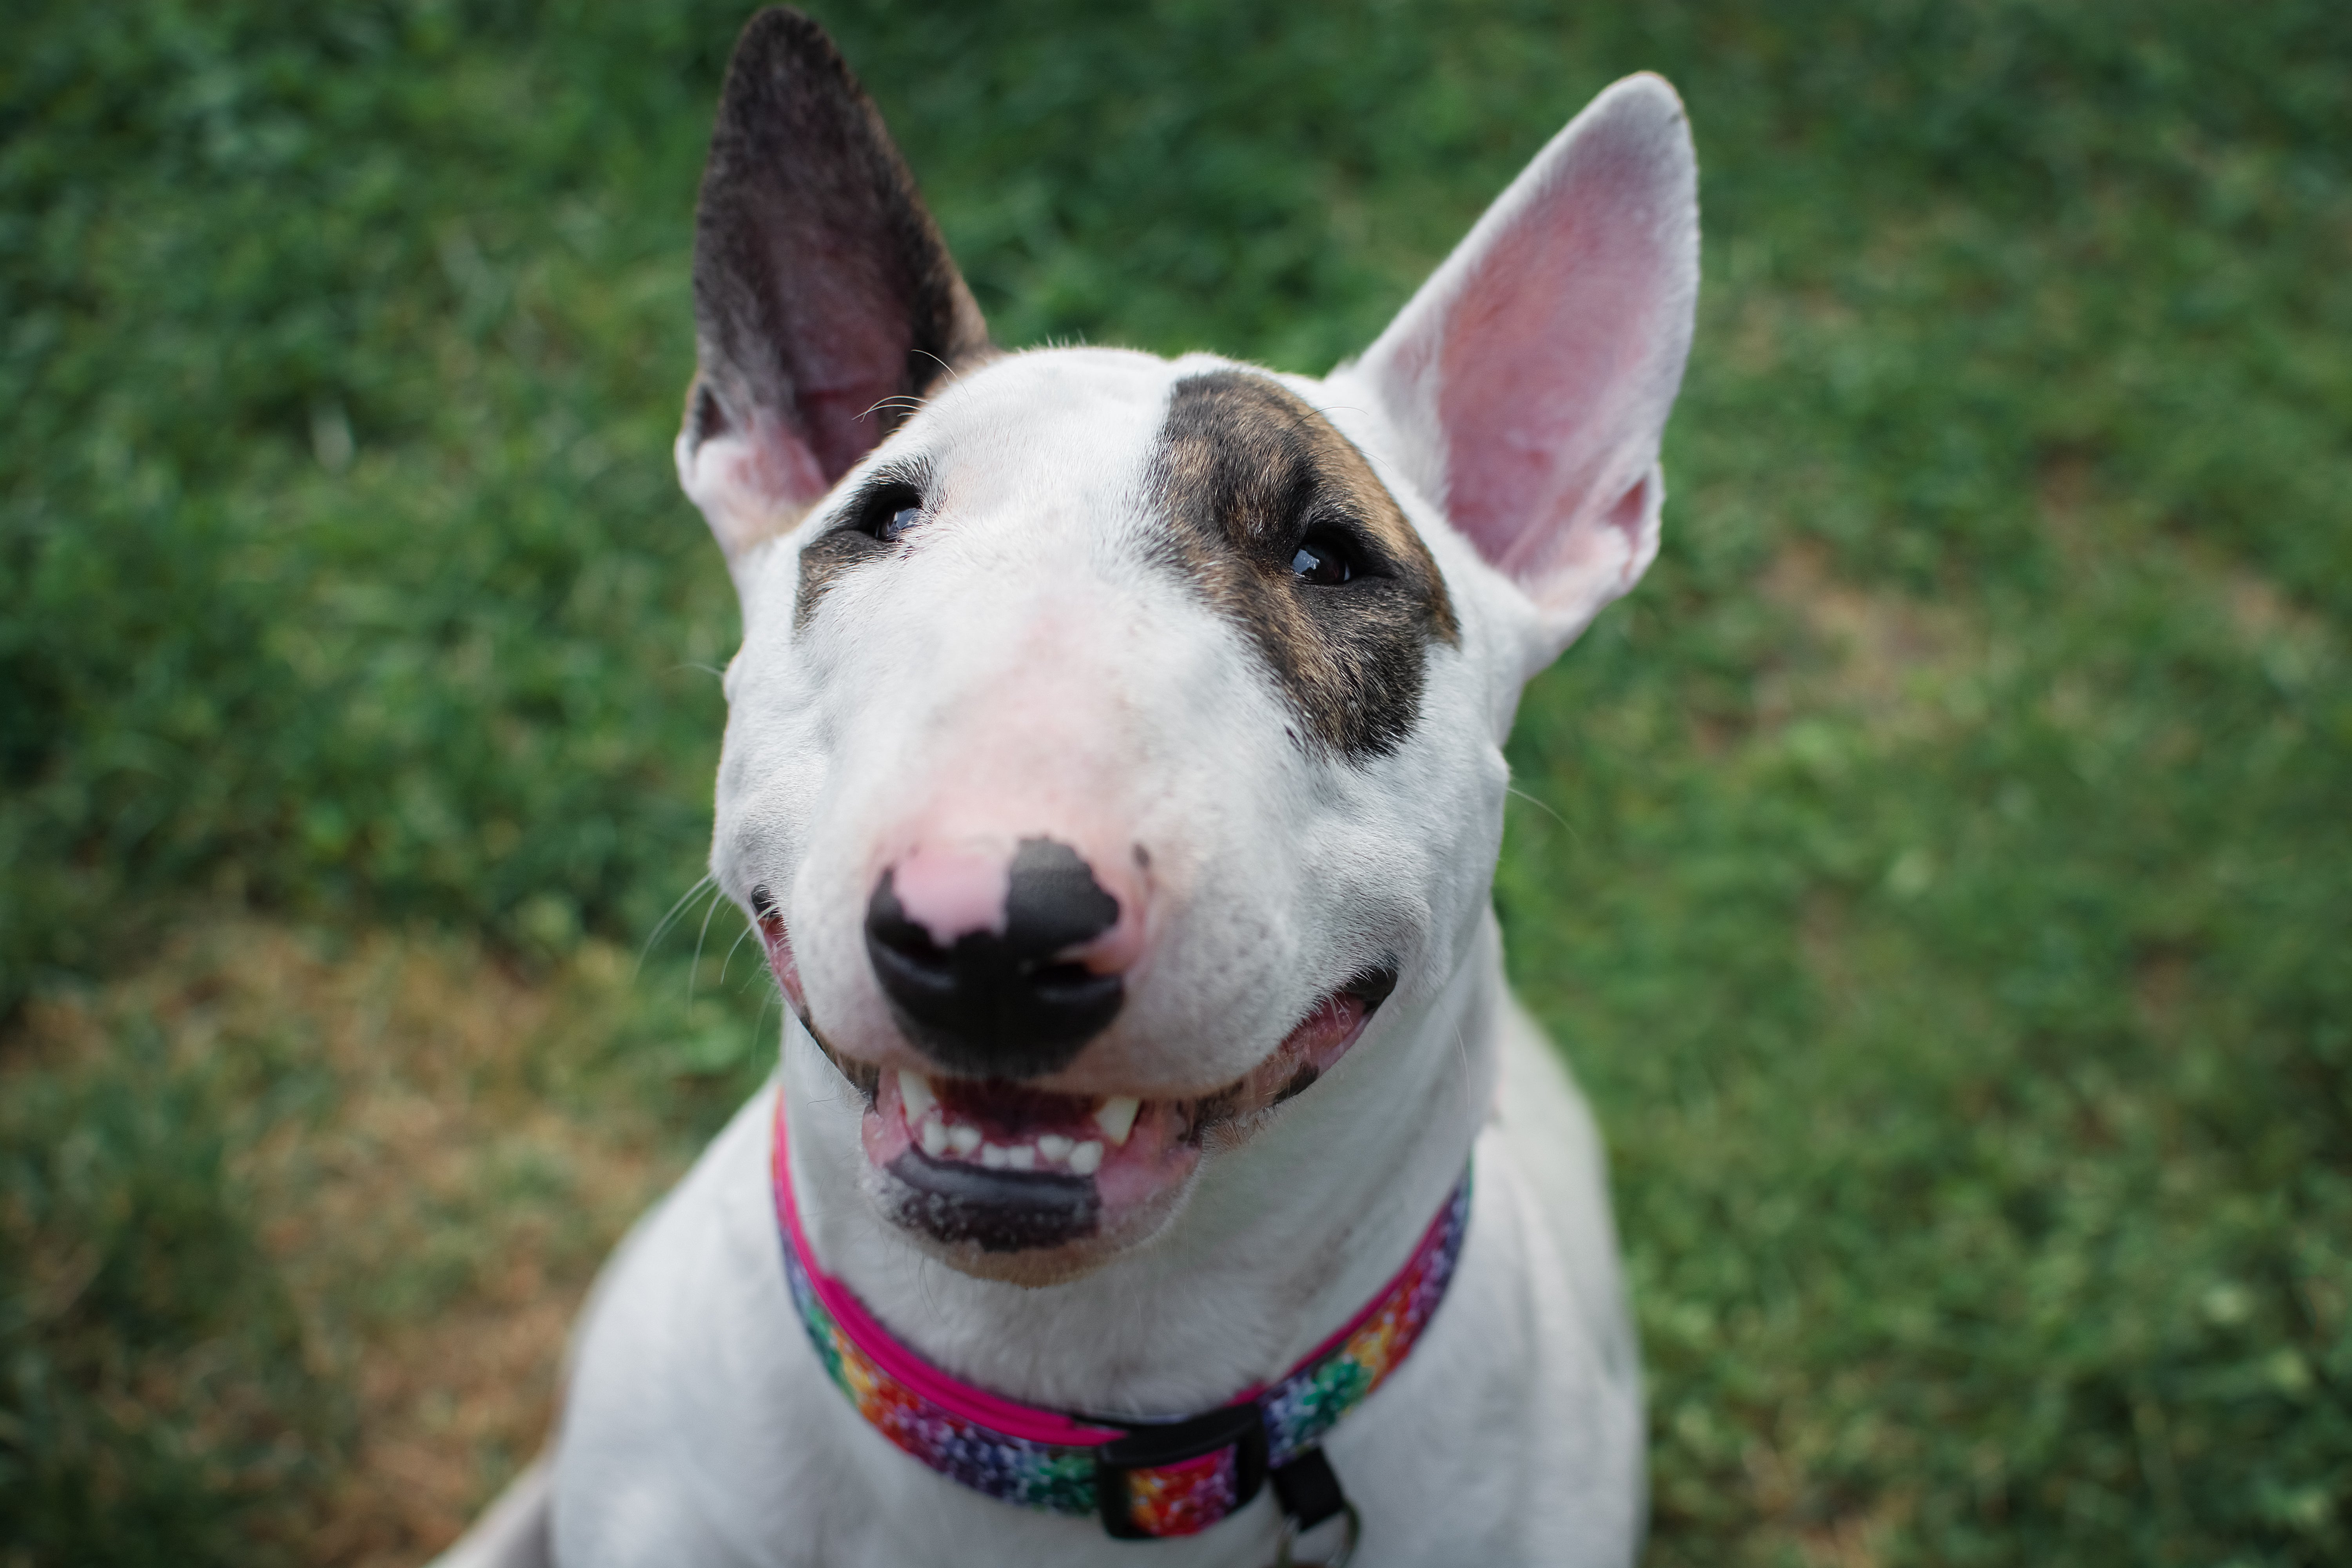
[
  {"x": 1532, "y": 374},
  {"x": 824, "y": 301}
]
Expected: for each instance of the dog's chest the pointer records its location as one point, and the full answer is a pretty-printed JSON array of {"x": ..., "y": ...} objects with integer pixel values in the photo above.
[{"x": 703, "y": 1428}]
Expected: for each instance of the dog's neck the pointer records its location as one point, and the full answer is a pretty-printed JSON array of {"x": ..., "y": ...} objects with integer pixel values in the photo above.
[{"x": 1283, "y": 1241}]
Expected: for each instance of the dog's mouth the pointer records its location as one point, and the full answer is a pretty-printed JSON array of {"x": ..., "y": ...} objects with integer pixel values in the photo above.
[{"x": 982, "y": 1165}]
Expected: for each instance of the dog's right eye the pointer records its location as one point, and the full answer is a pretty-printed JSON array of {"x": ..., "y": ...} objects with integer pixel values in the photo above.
[
  {"x": 1326, "y": 560},
  {"x": 889, "y": 512}
]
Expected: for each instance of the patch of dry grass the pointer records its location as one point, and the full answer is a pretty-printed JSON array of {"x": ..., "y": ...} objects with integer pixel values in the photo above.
[
  {"x": 438, "y": 1150},
  {"x": 1873, "y": 652}
]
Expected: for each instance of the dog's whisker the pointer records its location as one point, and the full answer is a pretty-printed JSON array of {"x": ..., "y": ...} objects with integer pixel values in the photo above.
[
  {"x": 1462, "y": 1057},
  {"x": 729, "y": 959},
  {"x": 1548, "y": 811},
  {"x": 953, "y": 373},
  {"x": 694, "y": 969},
  {"x": 668, "y": 919},
  {"x": 760, "y": 1017},
  {"x": 705, "y": 880}
]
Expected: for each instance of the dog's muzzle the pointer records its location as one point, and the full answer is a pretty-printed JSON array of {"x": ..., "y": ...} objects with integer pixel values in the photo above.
[{"x": 1009, "y": 1004}]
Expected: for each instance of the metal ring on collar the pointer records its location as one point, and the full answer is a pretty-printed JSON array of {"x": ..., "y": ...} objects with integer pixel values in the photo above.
[{"x": 1282, "y": 1558}]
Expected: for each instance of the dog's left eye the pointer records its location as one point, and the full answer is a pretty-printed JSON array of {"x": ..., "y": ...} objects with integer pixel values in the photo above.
[
  {"x": 1324, "y": 561},
  {"x": 889, "y": 512}
]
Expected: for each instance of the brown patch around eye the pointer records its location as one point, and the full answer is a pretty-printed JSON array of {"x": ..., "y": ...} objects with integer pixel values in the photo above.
[
  {"x": 850, "y": 537},
  {"x": 1247, "y": 471},
  {"x": 823, "y": 561}
]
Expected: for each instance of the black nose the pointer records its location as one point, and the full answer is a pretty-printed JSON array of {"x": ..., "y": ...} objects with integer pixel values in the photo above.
[{"x": 1000, "y": 1007}]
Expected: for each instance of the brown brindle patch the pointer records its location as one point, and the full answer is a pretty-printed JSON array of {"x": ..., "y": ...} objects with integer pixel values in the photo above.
[
  {"x": 1247, "y": 472},
  {"x": 847, "y": 539},
  {"x": 823, "y": 561},
  {"x": 1215, "y": 1108}
]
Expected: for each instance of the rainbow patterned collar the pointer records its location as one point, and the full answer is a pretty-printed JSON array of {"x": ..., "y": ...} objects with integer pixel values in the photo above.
[{"x": 1144, "y": 1480}]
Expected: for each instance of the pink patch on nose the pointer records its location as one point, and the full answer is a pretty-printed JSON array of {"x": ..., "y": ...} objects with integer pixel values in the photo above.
[{"x": 954, "y": 892}]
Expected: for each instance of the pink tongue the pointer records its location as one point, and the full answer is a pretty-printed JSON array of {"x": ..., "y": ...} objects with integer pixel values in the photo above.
[{"x": 1006, "y": 1113}]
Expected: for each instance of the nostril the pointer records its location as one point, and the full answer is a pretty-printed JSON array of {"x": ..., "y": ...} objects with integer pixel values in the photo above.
[
  {"x": 901, "y": 948},
  {"x": 913, "y": 944},
  {"x": 889, "y": 924},
  {"x": 1070, "y": 983}
]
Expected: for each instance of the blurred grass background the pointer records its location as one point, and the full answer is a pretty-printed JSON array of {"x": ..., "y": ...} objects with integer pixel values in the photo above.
[{"x": 1939, "y": 872}]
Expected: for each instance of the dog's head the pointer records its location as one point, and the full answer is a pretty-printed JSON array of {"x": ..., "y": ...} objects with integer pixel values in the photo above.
[{"x": 1113, "y": 738}]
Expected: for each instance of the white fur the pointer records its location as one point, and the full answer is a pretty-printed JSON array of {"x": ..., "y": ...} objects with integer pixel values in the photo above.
[{"x": 1026, "y": 661}]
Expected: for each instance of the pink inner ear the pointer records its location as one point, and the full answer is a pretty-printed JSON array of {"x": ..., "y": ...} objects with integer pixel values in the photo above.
[
  {"x": 771, "y": 468},
  {"x": 846, "y": 355},
  {"x": 843, "y": 424},
  {"x": 1550, "y": 390}
]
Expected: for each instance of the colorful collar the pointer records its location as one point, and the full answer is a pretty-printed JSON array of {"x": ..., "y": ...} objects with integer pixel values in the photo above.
[{"x": 1144, "y": 1480}]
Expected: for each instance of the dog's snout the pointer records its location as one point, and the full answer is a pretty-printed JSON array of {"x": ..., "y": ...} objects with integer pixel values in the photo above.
[{"x": 981, "y": 961}]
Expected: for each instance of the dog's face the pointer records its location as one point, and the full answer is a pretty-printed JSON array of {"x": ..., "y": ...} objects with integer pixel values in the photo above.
[
  {"x": 1113, "y": 738},
  {"x": 1144, "y": 653}
]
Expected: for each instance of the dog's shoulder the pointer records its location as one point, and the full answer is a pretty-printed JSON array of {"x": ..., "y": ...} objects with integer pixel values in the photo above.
[{"x": 687, "y": 1348}]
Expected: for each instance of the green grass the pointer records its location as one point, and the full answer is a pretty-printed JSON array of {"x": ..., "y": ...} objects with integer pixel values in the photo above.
[
  {"x": 155, "y": 1377},
  {"x": 1940, "y": 871}
]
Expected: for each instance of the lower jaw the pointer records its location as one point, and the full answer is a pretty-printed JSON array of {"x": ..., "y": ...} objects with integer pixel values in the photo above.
[
  {"x": 1078, "y": 1193},
  {"x": 1066, "y": 1210},
  {"x": 1021, "y": 1229}
]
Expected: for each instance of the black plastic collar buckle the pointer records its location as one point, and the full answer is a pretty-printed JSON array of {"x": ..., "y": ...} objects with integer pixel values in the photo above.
[{"x": 1240, "y": 1427}]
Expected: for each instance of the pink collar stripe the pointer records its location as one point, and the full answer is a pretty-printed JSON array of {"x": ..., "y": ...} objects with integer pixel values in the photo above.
[
  {"x": 961, "y": 1400},
  {"x": 1050, "y": 1459}
]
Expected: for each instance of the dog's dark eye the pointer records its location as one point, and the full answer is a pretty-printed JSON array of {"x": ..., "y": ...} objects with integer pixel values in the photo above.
[
  {"x": 1324, "y": 559},
  {"x": 889, "y": 512}
]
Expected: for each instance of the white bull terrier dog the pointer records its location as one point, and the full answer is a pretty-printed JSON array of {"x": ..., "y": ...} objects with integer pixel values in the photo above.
[{"x": 1114, "y": 771}]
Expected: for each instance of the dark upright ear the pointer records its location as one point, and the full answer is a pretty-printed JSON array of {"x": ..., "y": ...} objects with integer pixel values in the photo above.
[
  {"x": 1532, "y": 374},
  {"x": 823, "y": 297}
]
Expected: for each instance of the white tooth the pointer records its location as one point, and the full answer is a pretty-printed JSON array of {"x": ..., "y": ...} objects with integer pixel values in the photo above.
[
  {"x": 1116, "y": 1117},
  {"x": 915, "y": 1091},
  {"x": 1054, "y": 1147},
  {"x": 934, "y": 1136},
  {"x": 1086, "y": 1158},
  {"x": 993, "y": 1157},
  {"x": 963, "y": 1140},
  {"x": 1020, "y": 1157}
]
